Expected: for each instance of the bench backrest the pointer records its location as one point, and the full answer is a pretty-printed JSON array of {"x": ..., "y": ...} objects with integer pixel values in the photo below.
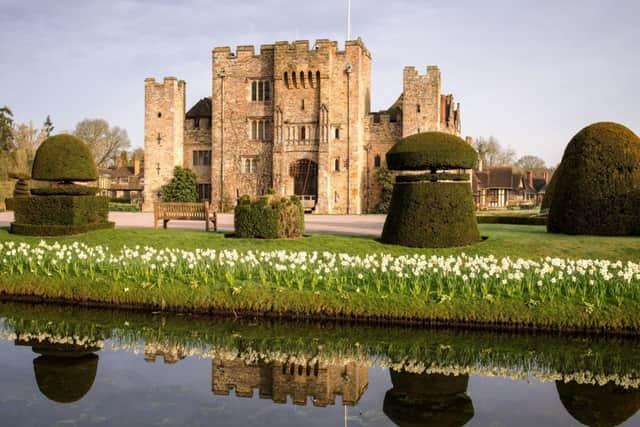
[{"x": 182, "y": 210}]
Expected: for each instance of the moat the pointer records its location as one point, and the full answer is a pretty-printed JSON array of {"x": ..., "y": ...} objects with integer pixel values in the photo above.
[{"x": 68, "y": 366}]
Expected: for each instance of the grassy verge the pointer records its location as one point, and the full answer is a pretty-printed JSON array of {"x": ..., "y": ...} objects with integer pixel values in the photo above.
[{"x": 204, "y": 272}]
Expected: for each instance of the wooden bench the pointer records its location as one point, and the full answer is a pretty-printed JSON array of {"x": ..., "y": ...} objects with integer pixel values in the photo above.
[{"x": 184, "y": 212}]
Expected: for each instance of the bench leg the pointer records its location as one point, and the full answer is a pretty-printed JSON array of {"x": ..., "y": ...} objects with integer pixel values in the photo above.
[
  {"x": 164, "y": 223},
  {"x": 215, "y": 222}
]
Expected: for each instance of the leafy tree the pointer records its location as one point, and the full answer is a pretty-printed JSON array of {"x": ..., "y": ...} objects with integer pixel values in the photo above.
[
  {"x": 492, "y": 153},
  {"x": 384, "y": 177},
  {"x": 138, "y": 154},
  {"x": 183, "y": 186},
  {"x": 124, "y": 158},
  {"x": 6, "y": 129},
  {"x": 104, "y": 141},
  {"x": 48, "y": 127}
]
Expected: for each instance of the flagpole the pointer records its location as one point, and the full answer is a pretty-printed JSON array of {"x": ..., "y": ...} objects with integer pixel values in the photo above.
[{"x": 348, "y": 19}]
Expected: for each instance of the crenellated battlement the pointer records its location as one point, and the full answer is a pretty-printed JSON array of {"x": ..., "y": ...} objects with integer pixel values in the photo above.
[{"x": 167, "y": 80}]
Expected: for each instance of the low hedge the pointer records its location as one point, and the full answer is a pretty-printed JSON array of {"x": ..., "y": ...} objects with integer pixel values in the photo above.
[
  {"x": 511, "y": 219},
  {"x": 434, "y": 177},
  {"x": 269, "y": 217},
  {"x": 60, "y": 210},
  {"x": 431, "y": 214},
  {"x": 65, "y": 190},
  {"x": 120, "y": 200},
  {"x": 123, "y": 207},
  {"x": 56, "y": 229}
]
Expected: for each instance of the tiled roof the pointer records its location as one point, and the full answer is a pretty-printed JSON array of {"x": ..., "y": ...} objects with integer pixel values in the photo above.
[{"x": 202, "y": 108}]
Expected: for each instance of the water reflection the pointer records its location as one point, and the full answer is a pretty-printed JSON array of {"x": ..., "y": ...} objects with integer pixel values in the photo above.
[
  {"x": 606, "y": 405},
  {"x": 300, "y": 381},
  {"x": 319, "y": 366},
  {"x": 428, "y": 399},
  {"x": 65, "y": 372}
]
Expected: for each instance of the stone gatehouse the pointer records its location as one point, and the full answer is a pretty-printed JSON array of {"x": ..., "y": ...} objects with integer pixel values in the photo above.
[{"x": 294, "y": 119}]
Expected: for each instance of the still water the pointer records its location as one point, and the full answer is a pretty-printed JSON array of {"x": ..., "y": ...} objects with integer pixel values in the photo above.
[{"x": 72, "y": 367}]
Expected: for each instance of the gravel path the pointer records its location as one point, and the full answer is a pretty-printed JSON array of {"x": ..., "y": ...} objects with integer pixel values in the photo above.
[{"x": 369, "y": 225}]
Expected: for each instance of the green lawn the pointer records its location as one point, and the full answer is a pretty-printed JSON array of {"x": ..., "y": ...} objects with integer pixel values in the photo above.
[
  {"x": 502, "y": 240},
  {"x": 543, "y": 300}
]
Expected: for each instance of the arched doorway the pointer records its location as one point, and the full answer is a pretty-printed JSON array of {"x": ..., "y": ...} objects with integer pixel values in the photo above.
[{"x": 305, "y": 181}]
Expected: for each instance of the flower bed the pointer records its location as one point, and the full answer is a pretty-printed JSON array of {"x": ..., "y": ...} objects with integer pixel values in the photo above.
[{"x": 548, "y": 293}]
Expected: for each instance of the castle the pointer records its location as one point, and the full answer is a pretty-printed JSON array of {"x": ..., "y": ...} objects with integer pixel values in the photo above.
[{"x": 291, "y": 119}]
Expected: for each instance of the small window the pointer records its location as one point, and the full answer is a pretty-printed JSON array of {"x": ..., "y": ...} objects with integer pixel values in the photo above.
[
  {"x": 202, "y": 158},
  {"x": 303, "y": 133},
  {"x": 336, "y": 165},
  {"x": 267, "y": 131},
  {"x": 376, "y": 161},
  {"x": 159, "y": 114},
  {"x": 260, "y": 91},
  {"x": 254, "y": 91},
  {"x": 261, "y": 130},
  {"x": 286, "y": 78},
  {"x": 302, "y": 105},
  {"x": 254, "y": 130},
  {"x": 337, "y": 133},
  {"x": 418, "y": 108},
  {"x": 159, "y": 139},
  {"x": 204, "y": 192},
  {"x": 267, "y": 91},
  {"x": 196, "y": 123}
]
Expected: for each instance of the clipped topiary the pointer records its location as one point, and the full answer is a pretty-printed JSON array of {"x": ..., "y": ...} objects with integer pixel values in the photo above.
[
  {"x": 434, "y": 209},
  {"x": 63, "y": 208},
  {"x": 597, "y": 188},
  {"x": 548, "y": 192},
  {"x": 64, "y": 158},
  {"x": 269, "y": 217}
]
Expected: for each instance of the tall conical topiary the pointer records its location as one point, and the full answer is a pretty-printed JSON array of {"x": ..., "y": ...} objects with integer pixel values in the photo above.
[
  {"x": 597, "y": 186},
  {"x": 434, "y": 209}
]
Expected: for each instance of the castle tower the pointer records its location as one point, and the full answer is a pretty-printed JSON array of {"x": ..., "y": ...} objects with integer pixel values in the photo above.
[
  {"x": 164, "y": 112},
  {"x": 421, "y": 101}
]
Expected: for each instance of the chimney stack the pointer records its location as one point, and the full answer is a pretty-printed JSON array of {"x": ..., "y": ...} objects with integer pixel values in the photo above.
[
  {"x": 136, "y": 167},
  {"x": 545, "y": 175},
  {"x": 530, "y": 178}
]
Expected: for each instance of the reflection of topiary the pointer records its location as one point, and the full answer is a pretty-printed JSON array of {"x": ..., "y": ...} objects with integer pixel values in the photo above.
[
  {"x": 424, "y": 400},
  {"x": 424, "y": 210},
  {"x": 64, "y": 158},
  {"x": 432, "y": 151},
  {"x": 598, "y": 406},
  {"x": 597, "y": 186},
  {"x": 65, "y": 379}
]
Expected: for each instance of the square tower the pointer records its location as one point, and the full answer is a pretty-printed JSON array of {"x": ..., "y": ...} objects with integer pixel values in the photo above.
[{"x": 164, "y": 112}]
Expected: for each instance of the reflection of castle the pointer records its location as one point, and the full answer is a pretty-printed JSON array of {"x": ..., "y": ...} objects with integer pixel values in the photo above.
[
  {"x": 277, "y": 381},
  {"x": 64, "y": 372},
  {"x": 171, "y": 354}
]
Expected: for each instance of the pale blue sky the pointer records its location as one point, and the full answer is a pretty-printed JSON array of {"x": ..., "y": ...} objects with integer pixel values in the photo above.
[{"x": 531, "y": 73}]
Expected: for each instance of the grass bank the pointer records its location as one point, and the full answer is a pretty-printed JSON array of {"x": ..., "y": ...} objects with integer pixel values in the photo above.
[{"x": 352, "y": 278}]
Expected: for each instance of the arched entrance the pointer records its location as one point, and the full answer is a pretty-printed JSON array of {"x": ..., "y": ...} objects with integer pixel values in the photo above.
[{"x": 305, "y": 181}]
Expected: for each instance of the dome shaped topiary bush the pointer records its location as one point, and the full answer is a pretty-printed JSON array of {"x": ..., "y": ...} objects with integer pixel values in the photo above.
[
  {"x": 64, "y": 208},
  {"x": 64, "y": 158},
  {"x": 434, "y": 209},
  {"x": 597, "y": 187}
]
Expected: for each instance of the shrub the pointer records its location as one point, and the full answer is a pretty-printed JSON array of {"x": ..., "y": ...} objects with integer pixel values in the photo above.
[
  {"x": 384, "y": 177},
  {"x": 183, "y": 187},
  {"x": 123, "y": 207},
  {"x": 431, "y": 214},
  {"x": 432, "y": 151},
  {"x": 64, "y": 158},
  {"x": 512, "y": 219},
  {"x": 269, "y": 217},
  {"x": 597, "y": 188},
  {"x": 21, "y": 188}
]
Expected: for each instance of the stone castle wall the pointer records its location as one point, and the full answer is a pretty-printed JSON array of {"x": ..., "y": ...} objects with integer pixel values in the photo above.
[{"x": 318, "y": 110}]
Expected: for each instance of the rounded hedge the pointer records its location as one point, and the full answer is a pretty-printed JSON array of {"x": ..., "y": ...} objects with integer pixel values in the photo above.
[
  {"x": 431, "y": 151},
  {"x": 431, "y": 214},
  {"x": 595, "y": 405},
  {"x": 597, "y": 188},
  {"x": 64, "y": 158},
  {"x": 68, "y": 190}
]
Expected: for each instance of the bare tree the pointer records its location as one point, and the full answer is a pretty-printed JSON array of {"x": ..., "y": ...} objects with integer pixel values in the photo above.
[
  {"x": 531, "y": 163},
  {"x": 492, "y": 153},
  {"x": 105, "y": 142},
  {"x": 28, "y": 138}
]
